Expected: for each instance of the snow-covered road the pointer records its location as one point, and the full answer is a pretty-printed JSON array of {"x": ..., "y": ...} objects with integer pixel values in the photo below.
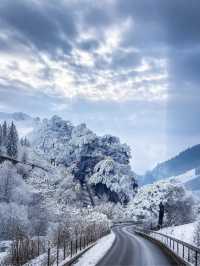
[{"x": 131, "y": 249}]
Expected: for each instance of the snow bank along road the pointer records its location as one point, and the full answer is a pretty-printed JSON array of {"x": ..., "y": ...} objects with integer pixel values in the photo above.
[{"x": 130, "y": 249}]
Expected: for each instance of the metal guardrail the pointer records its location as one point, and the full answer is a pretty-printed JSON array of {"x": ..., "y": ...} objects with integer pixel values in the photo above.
[{"x": 185, "y": 251}]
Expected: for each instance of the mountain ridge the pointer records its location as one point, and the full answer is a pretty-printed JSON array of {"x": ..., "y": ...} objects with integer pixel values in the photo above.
[{"x": 186, "y": 160}]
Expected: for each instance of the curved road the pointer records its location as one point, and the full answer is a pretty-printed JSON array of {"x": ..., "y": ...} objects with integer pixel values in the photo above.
[{"x": 130, "y": 249}]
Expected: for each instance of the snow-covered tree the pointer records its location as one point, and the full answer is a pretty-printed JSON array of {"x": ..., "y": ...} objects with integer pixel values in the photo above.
[
  {"x": 114, "y": 177},
  {"x": 24, "y": 142},
  {"x": 24, "y": 157},
  {"x": 12, "y": 141},
  {"x": 80, "y": 150},
  {"x": 4, "y": 133},
  {"x": 15, "y": 197},
  {"x": 38, "y": 215},
  {"x": 12, "y": 185},
  {"x": 177, "y": 202},
  {"x": 14, "y": 221},
  {"x": 1, "y": 135}
]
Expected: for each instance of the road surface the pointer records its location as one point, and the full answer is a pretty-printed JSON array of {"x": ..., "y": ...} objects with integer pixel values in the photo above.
[{"x": 130, "y": 249}]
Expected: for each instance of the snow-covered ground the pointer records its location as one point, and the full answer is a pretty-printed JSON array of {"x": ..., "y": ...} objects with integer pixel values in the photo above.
[
  {"x": 183, "y": 232},
  {"x": 4, "y": 246},
  {"x": 96, "y": 253},
  {"x": 183, "y": 178}
]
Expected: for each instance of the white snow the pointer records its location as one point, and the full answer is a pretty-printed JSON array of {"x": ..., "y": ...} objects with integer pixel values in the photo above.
[
  {"x": 96, "y": 253},
  {"x": 4, "y": 247},
  {"x": 183, "y": 178},
  {"x": 145, "y": 205},
  {"x": 183, "y": 232}
]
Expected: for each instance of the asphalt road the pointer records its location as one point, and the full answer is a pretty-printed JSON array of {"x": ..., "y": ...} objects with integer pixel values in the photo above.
[{"x": 130, "y": 249}]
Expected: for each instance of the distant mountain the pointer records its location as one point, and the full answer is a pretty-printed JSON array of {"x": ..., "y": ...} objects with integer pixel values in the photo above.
[
  {"x": 18, "y": 116},
  {"x": 183, "y": 162},
  {"x": 24, "y": 122}
]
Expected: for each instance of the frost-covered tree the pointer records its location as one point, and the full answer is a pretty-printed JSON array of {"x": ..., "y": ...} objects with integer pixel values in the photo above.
[
  {"x": 12, "y": 185},
  {"x": 1, "y": 135},
  {"x": 38, "y": 216},
  {"x": 24, "y": 157},
  {"x": 81, "y": 150},
  {"x": 14, "y": 221},
  {"x": 4, "y": 133},
  {"x": 177, "y": 202},
  {"x": 114, "y": 177},
  {"x": 15, "y": 197},
  {"x": 12, "y": 141},
  {"x": 8, "y": 180},
  {"x": 24, "y": 142}
]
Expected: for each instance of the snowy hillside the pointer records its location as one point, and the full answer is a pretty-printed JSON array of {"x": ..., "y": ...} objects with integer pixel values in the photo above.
[
  {"x": 190, "y": 180},
  {"x": 183, "y": 232},
  {"x": 182, "y": 163},
  {"x": 45, "y": 184}
]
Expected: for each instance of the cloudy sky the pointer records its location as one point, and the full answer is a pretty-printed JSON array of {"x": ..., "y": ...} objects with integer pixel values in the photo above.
[{"x": 129, "y": 68}]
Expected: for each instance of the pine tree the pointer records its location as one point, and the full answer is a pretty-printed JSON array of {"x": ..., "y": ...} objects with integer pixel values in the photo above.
[
  {"x": 12, "y": 141},
  {"x": 4, "y": 133},
  {"x": 1, "y": 135},
  {"x": 24, "y": 157},
  {"x": 22, "y": 142},
  {"x": 26, "y": 142}
]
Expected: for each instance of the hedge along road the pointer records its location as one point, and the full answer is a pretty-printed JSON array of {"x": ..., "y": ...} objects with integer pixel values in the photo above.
[{"x": 130, "y": 249}]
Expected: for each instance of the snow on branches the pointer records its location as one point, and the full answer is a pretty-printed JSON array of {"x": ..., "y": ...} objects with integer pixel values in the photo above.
[{"x": 83, "y": 152}]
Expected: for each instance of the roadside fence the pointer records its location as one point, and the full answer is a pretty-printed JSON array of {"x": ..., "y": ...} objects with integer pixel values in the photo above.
[{"x": 51, "y": 253}]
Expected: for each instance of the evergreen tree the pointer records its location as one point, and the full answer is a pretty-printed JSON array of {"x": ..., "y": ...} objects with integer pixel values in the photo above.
[
  {"x": 24, "y": 157},
  {"x": 22, "y": 141},
  {"x": 1, "y": 135},
  {"x": 4, "y": 133},
  {"x": 26, "y": 142},
  {"x": 12, "y": 141}
]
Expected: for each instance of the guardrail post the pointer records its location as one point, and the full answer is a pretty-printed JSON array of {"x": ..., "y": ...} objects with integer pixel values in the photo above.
[
  {"x": 183, "y": 251},
  {"x": 48, "y": 257},
  {"x": 188, "y": 254},
  {"x": 64, "y": 250},
  {"x": 196, "y": 257},
  {"x": 38, "y": 246},
  {"x": 76, "y": 246},
  {"x": 71, "y": 248},
  {"x": 57, "y": 257}
]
